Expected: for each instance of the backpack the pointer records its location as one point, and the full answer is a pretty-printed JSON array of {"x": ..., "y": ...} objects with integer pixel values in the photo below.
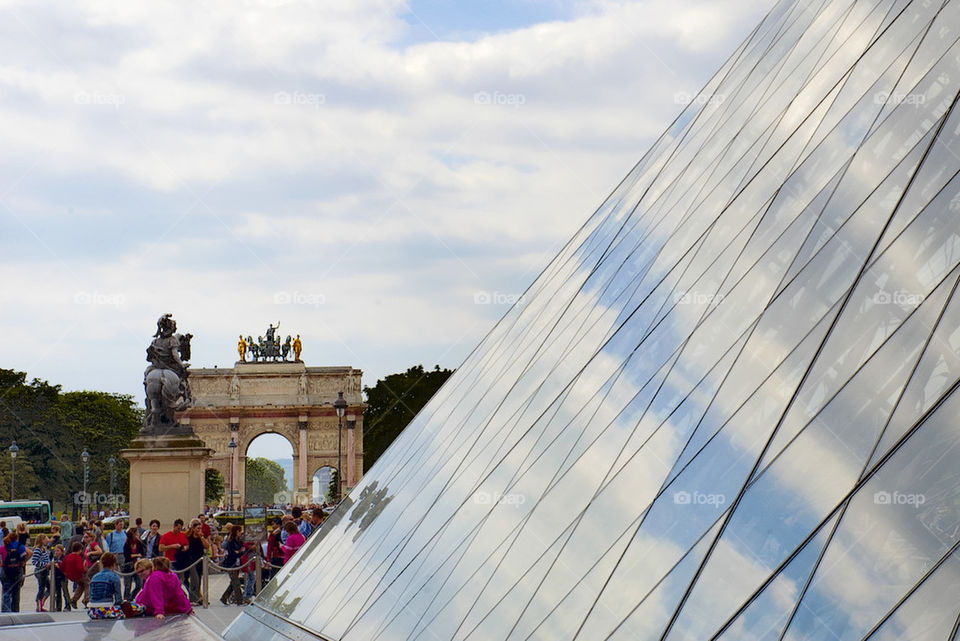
[{"x": 13, "y": 561}]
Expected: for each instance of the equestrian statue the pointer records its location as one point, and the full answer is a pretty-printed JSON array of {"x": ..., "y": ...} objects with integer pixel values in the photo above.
[{"x": 165, "y": 379}]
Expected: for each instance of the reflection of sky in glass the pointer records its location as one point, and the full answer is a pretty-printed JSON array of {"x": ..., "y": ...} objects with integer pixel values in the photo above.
[
  {"x": 884, "y": 545},
  {"x": 697, "y": 382}
]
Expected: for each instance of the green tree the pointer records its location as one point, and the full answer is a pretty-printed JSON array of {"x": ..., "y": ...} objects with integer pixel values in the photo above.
[
  {"x": 27, "y": 415},
  {"x": 265, "y": 478},
  {"x": 213, "y": 486},
  {"x": 104, "y": 424},
  {"x": 391, "y": 405},
  {"x": 331, "y": 494},
  {"x": 52, "y": 428}
]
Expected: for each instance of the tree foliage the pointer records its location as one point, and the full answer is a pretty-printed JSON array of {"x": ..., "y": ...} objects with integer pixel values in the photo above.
[
  {"x": 213, "y": 486},
  {"x": 265, "y": 479},
  {"x": 331, "y": 494},
  {"x": 391, "y": 405},
  {"x": 52, "y": 428}
]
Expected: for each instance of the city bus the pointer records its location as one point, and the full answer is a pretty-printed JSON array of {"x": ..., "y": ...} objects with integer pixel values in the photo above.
[{"x": 36, "y": 514}]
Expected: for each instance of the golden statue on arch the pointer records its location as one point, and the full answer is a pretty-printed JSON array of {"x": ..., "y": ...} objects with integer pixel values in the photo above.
[{"x": 269, "y": 348}]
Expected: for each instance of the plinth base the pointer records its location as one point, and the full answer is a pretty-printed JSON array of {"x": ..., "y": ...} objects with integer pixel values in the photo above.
[{"x": 167, "y": 477}]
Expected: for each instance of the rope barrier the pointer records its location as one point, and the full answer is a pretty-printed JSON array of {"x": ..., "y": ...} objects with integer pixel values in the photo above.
[
  {"x": 189, "y": 567},
  {"x": 224, "y": 568},
  {"x": 260, "y": 564}
]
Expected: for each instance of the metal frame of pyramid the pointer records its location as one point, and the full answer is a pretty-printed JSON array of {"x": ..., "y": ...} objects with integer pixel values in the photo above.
[{"x": 726, "y": 409}]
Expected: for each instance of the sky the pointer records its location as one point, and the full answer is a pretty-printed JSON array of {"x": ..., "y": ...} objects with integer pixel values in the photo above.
[{"x": 382, "y": 177}]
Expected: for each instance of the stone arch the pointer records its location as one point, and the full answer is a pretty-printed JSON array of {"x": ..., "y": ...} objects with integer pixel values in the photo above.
[{"x": 289, "y": 399}]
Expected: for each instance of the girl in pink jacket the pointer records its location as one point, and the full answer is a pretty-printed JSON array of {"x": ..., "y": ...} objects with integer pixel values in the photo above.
[
  {"x": 294, "y": 541},
  {"x": 161, "y": 593}
]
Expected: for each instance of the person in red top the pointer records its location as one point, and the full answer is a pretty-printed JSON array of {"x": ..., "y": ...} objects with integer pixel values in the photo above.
[
  {"x": 73, "y": 568},
  {"x": 174, "y": 541},
  {"x": 204, "y": 526}
]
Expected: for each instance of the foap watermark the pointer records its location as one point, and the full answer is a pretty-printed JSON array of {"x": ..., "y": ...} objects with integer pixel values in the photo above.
[
  {"x": 282, "y": 498},
  {"x": 299, "y": 98},
  {"x": 484, "y": 297},
  {"x": 99, "y": 99},
  {"x": 299, "y": 298},
  {"x": 697, "y": 298},
  {"x": 99, "y": 298},
  {"x": 98, "y": 498},
  {"x": 900, "y": 297},
  {"x": 698, "y": 498},
  {"x": 515, "y": 100},
  {"x": 886, "y": 98},
  {"x": 490, "y": 498},
  {"x": 684, "y": 98},
  {"x": 898, "y": 498}
]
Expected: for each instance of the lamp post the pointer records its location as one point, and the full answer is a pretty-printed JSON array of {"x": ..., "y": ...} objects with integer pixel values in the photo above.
[
  {"x": 112, "y": 462},
  {"x": 233, "y": 448},
  {"x": 14, "y": 450},
  {"x": 85, "y": 457},
  {"x": 341, "y": 406}
]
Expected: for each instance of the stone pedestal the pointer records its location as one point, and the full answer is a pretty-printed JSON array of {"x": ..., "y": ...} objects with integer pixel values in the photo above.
[{"x": 167, "y": 477}]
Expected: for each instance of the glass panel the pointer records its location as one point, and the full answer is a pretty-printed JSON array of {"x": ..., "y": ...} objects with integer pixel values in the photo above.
[
  {"x": 650, "y": 618},
  {"x": 895, "y": 284},
  {"x": 875, "y": 207},
  {"x": 787, "y": 502},
  {"x": 771, "y": 397},
  {"x": 931, "y": 612},
  {"x": 768, "y": 613},
  {"x": 939, "y": 368},
  {"x": 897, "y": 526},
  {"x": 556, "y": 610},
  {"x": 937, "y": 22}
]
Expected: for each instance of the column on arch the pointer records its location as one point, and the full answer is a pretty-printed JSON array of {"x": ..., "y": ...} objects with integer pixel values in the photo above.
[
  {"x": 303, "y": 455},
  {"x": 351, "y": 451}
]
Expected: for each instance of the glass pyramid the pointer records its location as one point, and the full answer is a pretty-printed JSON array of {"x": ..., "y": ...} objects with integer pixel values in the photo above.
[{"x": 726, "y": 409}]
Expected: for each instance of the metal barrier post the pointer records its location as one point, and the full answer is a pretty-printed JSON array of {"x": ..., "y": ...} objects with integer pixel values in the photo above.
[
  {"x": 51, "y": 598},
  {"x": 205, "y": 583},
  {"x": 259, "y": 566}
]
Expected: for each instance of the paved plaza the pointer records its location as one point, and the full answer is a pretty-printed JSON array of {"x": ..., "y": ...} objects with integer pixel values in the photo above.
[{"x": 217, "y": 617}]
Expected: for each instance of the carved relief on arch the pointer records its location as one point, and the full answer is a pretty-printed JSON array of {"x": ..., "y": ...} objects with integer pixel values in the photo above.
[
  {"x": 318, "y": 442},
  {"x": 217, "y": 441}
]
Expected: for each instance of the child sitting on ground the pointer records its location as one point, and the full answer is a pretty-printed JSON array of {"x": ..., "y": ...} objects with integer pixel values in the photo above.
[{"x": 106, "y": 593}]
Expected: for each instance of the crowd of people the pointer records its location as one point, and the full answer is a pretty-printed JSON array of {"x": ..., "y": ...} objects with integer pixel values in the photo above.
[{"x": 134, "y": 570}]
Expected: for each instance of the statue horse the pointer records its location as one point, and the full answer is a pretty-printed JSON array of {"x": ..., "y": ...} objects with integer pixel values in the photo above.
[
  {"x": 166, "y": 394},
  {"x": 253, "y": 347}
]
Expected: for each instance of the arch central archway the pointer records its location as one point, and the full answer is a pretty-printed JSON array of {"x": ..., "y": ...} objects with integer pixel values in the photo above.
[{"x": 269, "y": 456}]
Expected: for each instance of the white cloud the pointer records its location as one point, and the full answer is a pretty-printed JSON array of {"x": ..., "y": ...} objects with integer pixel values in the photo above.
[{"x": 199, "y": 158}]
